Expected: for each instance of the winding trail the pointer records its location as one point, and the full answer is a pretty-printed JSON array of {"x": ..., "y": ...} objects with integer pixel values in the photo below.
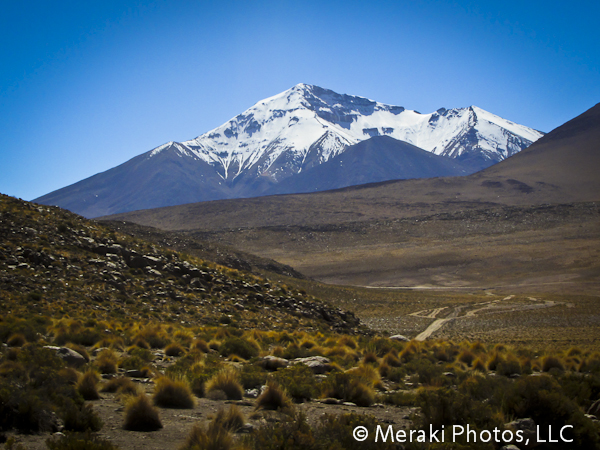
[{"x": 492, "y": 307}]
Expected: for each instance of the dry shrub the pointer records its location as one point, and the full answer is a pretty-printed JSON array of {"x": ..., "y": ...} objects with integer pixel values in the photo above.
[
  {"x": 174, "y": 349},
  {"x": 348, "y": 342},
  {"x": 478, "y": 347},
  {"x": 366, "y": 374},
  {"x": 122, "y": 385},
  {"x": 184, "y": 337},
  {"x": 526, "y": 366},
  {"x": 16, "y": 340},
  {"x": 369, "y": 358},
  {"x": 384, "y": 369},
  {"x": 445, "y": 351},
  {"x": 509, "y": 366},
  {"x": 337, "y": 351},
  {"x": 551, "y": 362},
  {"x": 278, "y": 351},
  {"x": 141, "y": 415},
  {"x": 141, "y": 343},
  {"x": 494, "y": 361},
  {"x": 214, "y": 438},
  {"x": 173, "y": 393},
  {"x": 392, "y": 360},
  {"x": 214, "y": 345},
  {"x": 152, "y": 336},
  {"x": 69, "y": 375},
  {"x": 409, "y": 352},
  {"x": 200, "y": 345},
  {"x": 274, "y": 397},
  {"x": 230, "y": 420},
  {"x": 479, "y": 365},
  {"x": 308, "y": 344},
  {"x": 347, "y": 387},
  {"x": 107, "y": 361},
  {"x": 227, "y": 381},
  {"x": 467, "y": 357},
  {"x": 88, "y": 385}
]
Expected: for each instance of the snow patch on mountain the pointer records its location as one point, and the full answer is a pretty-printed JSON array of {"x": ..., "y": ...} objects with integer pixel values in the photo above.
[{"x": 311, "y": 123}]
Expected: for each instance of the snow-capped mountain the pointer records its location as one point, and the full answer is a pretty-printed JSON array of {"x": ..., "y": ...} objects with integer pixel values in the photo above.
[
  {"x": 307, "y": 125},
  {"x": 280, "y": 137}
]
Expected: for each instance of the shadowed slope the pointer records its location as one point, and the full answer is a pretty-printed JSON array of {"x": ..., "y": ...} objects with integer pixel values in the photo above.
[{"x": 380, "y": 158}]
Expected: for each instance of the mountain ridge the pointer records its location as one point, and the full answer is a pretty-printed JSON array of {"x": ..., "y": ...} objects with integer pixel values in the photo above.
[{"x": 280, "y": 137}]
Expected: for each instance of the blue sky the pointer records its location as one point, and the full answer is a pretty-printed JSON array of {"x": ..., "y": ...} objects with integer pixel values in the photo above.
[{"x": 87, "y": 85}]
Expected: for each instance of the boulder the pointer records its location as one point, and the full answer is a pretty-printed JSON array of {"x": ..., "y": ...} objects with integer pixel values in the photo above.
[
  {"x": 69, "y": 356},
  {"x": 318, "y": 364},
  {"x": 273, "y": 363}
]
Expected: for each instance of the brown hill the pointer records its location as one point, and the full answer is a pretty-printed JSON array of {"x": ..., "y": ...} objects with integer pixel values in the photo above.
[
  {"x": 562, "y": 167},
  {"x": 528, "y": 223}
]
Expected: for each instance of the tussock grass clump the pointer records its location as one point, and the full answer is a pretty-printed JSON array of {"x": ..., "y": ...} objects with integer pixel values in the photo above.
[
  {"x": 298, "y": 381},
  {"x": 479, "y": 365},
  {"x": 173, "y": 393},
  {"x": 392, "y": 360},
  {"x": 228, "y": 381},
  {"x": 174, "y": 349},
  {"x": 230, "y": 420},
  {"x": 370, "y": 358},
  {"x": 367, "y": 374},
  {"x": 107, "y": 361},
  {"x": 16, "y": 340},
  {"x": 308, "y": 344},
  {"x": 348, "y": 342},
  {"x": 551, "y": 362},
  {"x": 409, "y": 352},
  {"x": 69, "y": 375},
  {"x": 153, "y": 336},
  {"x": 477, "y": 347},
  {"x": 252, "y": 376},
  {"x": 80, "y": 417},
  {"x": 141, "y": 343},
  {"x": 345, "y": 386},
  {"x": 121, "y": 385},
  {"x": 200, "y": 345},
  {"x": 384, "y": 369},
  {"x": 495, "y": 361},
  {"x": 467, "y": 357},
  {"x": 274, "y": 397},
  {"x": 88, "y": 385},
  {"x": 213, "y": 438},
  {"x": 141, "y": 415},
  {"x": 509, "y": 366}
]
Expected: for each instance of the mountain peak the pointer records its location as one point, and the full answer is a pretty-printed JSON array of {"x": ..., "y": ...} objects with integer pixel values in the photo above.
[{"x": 304, "y": 126}]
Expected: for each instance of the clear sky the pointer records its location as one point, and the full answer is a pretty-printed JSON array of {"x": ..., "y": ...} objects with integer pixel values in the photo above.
[{"x": 87, "y": 85}]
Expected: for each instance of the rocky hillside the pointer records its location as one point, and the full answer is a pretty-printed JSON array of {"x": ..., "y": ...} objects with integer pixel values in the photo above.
[{"x": 56, "y": 262}]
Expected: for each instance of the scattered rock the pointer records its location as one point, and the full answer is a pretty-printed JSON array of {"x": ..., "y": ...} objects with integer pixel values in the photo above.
[
  {"x": 136, "y": 373},
  {"x": 318, "y": 364},
  {"x": 399, "y": 337},
  {"x": 246, "y": 428},
  {"x": 273, "y": 363},
  {"x": 527, "y": 426},
  {"x": 595, "y": 409},
  {"x": 69, "y": 356}
]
